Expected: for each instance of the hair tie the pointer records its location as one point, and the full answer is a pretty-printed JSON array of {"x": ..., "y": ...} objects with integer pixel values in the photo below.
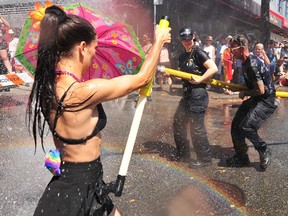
[{"x": 61, "y": 15}]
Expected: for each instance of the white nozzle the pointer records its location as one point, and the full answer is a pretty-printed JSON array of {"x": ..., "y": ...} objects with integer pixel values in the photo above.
[{"x": 161, "y": 68}]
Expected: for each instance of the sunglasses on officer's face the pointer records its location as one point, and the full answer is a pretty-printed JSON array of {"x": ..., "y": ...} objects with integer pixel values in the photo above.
[{"x": 235, "y": 48}]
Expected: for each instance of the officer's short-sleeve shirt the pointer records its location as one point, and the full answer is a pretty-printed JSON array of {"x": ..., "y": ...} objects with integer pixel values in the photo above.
[{"x": 254, "y": 70}]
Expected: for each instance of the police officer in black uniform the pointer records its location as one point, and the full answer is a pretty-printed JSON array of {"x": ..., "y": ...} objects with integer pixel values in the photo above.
[
  {"x": 254, "y": 111},
  {"x": 193, "y": 104}
]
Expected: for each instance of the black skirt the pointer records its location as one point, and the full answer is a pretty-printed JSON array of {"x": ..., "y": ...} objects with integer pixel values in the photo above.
[{"x": 76, "y": 192}]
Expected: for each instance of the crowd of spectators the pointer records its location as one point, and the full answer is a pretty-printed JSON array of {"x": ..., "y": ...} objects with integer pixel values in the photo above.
[{"x": 275, "y": 56}]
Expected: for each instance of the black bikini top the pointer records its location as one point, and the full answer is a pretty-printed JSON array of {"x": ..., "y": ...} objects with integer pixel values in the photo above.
[{"x": 99, "y": 126}]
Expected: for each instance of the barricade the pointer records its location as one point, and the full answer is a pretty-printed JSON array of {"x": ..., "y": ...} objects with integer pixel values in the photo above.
[{"x": 15, "y": 79}]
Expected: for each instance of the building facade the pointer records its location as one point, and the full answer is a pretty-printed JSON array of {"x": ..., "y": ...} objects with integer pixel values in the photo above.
[
  {"x": 228, "y": 16},
  {"x": 205, "y": 16},
  {"x": 213, "y": 17}
]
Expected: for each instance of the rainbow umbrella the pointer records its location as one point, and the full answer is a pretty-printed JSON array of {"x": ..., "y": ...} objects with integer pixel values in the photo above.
[{"x": 118, "y": 53}]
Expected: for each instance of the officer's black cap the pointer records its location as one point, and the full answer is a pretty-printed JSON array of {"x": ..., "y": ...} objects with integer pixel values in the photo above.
[{"x": 186, "y": 34}]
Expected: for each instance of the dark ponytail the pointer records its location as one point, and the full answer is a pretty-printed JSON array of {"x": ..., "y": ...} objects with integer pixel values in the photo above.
[{"x": 59, "y": 33}]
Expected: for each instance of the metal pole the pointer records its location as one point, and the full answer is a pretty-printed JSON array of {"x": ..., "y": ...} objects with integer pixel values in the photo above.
[{"x": 155, "y": 3}]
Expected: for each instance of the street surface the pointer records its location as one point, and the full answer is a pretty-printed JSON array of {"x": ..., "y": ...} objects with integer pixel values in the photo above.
[{"x": 155, "y": 185}]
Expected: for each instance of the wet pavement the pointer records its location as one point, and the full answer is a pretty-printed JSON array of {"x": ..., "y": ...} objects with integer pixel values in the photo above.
[{"x": 155, "y": 185}]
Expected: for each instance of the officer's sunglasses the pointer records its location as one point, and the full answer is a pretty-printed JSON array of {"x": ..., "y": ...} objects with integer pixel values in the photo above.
[{"x": 235, "y": 48}]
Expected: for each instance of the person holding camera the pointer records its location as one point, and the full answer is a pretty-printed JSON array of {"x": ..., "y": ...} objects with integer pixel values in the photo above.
[{"x": 284, "y": 57}]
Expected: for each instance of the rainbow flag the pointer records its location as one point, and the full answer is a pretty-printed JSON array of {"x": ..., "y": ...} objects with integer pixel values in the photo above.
[{"x": 53, "y": 162}]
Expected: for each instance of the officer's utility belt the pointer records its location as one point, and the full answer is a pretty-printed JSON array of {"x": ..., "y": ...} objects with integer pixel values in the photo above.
[{"x": 190, "y": 87}]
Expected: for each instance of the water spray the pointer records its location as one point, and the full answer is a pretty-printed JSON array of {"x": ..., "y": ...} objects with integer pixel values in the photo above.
[{"x": 214, "y": 82}]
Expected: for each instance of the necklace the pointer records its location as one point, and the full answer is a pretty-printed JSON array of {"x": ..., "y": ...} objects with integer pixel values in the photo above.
[{"x": 61, "y": 72}]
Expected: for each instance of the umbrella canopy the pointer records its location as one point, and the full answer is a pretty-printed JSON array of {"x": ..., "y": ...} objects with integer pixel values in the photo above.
[{"x": 118, "y": 52}]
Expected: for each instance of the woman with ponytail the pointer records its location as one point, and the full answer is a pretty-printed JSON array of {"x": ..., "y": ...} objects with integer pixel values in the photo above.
[{"x": 72, "y": 110}]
